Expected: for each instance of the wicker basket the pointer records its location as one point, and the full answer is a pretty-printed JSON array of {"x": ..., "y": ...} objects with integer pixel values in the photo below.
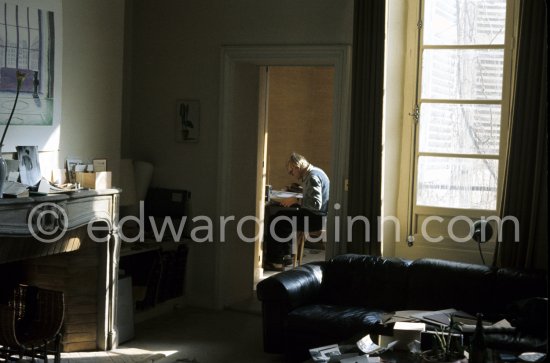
[{"x": 30, "y": 321}]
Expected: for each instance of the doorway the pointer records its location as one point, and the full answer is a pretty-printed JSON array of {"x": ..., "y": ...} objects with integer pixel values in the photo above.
[
  {"x": 298, "y": 102},
  {"x": 236, "y": 264}
]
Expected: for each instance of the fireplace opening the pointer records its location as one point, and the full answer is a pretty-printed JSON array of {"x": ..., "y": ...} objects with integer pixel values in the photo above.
[
  {"x": 72, "y": 266},
  {"x": 10, "y": 278}
]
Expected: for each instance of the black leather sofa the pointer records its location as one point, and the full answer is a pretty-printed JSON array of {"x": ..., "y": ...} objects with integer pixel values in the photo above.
[{"x": 329, "y": 302}]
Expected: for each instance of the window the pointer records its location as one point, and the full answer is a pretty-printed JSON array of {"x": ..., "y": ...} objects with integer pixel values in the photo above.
[{"x": 461, "y": 113}]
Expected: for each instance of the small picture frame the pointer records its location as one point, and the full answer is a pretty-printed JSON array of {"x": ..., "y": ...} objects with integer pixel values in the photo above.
[
  {"x": 187, "y": 124},
  {"x": 72, "y": 168},
  {"x": 29, "y": 165},
  {"x": 99, "y": 165}
]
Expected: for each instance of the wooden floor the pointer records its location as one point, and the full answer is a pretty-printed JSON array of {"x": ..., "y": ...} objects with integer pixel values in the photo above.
[
  {"x": 121, "y": 355},
  {"x": 127, "y": 355}
]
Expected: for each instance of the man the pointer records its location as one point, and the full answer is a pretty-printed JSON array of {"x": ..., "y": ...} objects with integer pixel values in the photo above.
[{"x": 307, "y": 214}]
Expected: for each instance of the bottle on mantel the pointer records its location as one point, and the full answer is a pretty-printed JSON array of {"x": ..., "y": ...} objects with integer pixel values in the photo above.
[{"x": 477, "y": 343}]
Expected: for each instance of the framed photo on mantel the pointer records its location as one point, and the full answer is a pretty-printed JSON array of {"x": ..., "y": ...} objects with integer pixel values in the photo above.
[
  {"x": 29, "y": 166},
  {"x": 187, "y": 121}
]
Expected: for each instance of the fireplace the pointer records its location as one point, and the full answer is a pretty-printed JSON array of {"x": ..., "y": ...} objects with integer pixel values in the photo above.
[{"x": 83, "y": 269}]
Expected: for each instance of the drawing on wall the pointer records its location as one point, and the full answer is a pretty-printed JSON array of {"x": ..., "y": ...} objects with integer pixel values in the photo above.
[
  {"x": 30, "y": 42},
  {"x": 187, "y": 121}
]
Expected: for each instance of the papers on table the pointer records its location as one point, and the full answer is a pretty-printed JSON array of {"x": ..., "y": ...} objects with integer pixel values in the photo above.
[
  {"x": 359, "y": 359},
  {"x": 405, "y": 315},
  {"x": 406, "y": 336},
  {"x": 532, "y": 356},
  {"x": 441, "y": 318},
  {"x": 366, "y": 345},
  {"x": 349, "y": 353},
  {"x": 323, "y": 354},
  {"x": 501, "y": 325},
  {"x": 283, "y": 194},
  {"x": 45, "y": 187}
]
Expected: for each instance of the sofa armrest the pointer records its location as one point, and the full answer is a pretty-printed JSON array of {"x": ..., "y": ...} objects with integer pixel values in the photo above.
[
  {"x": 280, "y": 294},
  {"x": 293, "y": 287}
]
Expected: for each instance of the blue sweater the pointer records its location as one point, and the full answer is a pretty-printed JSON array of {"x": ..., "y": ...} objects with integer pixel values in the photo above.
[{"x": 316, "y": 191}]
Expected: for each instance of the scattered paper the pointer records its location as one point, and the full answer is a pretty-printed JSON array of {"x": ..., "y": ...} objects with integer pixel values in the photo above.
[
  {"x": 347, "y": 358},
  {"x": 283, "y": 194},
  {"x": 404, "y": 315},
  {"x": 502, "y": 324},
  {"x": 532, "y": 356},
  {"x": 400, "y": 325},
  {"x": 361, "y": 359},
  {"x": 15, "y": 189},
  {"x": 366, "y": 345},
  {"x": 323, "y": 354},
  {"x": 45, "y": 187}
]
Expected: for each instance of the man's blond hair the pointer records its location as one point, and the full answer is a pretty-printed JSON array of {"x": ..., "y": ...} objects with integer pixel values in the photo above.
[{"x": 298, "y": 160}]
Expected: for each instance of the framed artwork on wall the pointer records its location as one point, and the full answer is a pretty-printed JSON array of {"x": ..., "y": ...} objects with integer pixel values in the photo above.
[
  {"x": 32, "y": 45},
  {"x": 187, "y": 121}
]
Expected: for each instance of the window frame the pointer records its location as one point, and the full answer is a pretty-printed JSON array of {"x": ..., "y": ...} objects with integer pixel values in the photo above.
[{"x": 411, "y": 135}]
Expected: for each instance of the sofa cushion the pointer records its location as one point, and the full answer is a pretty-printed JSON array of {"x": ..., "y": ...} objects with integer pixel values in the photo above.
[
  {"x": 529, "y": 315},
  {"x": 511, "y": 286},
  {"x": 439, "y": 284},
  {"x": 366, "y": 281}
]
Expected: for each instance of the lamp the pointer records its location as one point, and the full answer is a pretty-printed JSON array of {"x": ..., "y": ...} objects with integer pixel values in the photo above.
[
  {"x": 143, "y": 172},
  {"x": 482, "y": 233},
  {"x": 135, "y": 177},
  {"x": 127, "y": 183}
]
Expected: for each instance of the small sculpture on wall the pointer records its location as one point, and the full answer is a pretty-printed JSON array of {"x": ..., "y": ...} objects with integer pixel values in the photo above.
[{"x": 187, "y": 124}]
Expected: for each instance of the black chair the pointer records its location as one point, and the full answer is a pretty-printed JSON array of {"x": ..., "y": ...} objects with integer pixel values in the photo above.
[{"x": 30, "y": 324}]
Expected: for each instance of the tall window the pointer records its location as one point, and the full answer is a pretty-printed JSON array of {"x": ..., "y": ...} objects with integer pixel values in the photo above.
[{"x": 462, "y": 108}]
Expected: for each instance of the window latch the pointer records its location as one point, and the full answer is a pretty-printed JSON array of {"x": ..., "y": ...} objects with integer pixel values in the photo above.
[{"x": 415, "y": 114}]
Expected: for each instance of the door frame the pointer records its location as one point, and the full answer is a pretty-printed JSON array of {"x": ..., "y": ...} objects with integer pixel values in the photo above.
[{"x": 337, "y": 56}]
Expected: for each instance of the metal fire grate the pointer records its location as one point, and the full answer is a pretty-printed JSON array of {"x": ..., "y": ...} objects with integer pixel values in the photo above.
[{"x": 30, "y": 323}]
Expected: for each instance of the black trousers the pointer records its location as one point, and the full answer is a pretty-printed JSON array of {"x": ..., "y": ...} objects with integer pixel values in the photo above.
[{"x": 285, "y": 224}]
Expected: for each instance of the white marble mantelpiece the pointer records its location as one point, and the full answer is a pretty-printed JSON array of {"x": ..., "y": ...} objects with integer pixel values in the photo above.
[{"x": 69, "y": 215}]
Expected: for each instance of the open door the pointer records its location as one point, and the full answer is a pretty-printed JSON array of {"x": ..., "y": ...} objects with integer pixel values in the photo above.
[
  {"x": 296, "y": 107},
  {"x": 261, "y": 167},
  {"x": 241, "y": 166}
]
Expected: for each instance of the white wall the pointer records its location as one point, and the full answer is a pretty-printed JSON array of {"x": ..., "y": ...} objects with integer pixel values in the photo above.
[
  {"x": 93, "y": 35},
  {"x": 175, "y": 53}
]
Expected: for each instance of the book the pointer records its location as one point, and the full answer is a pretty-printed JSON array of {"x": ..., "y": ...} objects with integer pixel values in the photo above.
[{"x": 14, "y": 189}]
